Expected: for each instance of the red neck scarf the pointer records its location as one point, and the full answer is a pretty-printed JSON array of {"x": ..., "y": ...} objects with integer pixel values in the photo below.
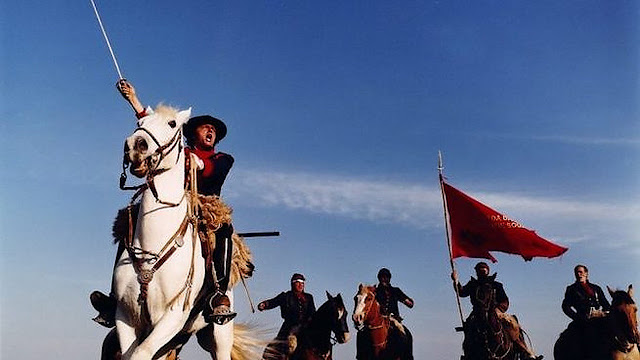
[
  {"x": 587, "y": 289},
  {"x": 207, "y": 157}
]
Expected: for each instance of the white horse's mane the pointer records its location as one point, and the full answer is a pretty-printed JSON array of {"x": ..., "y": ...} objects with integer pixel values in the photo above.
[{"x": 165, "y": 110}]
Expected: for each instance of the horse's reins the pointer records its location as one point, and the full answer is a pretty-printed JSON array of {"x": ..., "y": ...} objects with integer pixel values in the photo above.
[{"x": 158, "y": 259}]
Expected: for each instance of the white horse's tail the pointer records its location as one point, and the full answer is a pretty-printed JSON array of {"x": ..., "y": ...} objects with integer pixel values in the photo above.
[{"x": 248, "y": 342}]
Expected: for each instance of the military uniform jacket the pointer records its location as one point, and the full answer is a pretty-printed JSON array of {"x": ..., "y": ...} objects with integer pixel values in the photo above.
[
  {"x": 473, "y": 290},
  {"x": 577, "y": 303},
  {"x": 216, "y": 168},
  {"x": 292, "y": 309},
  {"x": 388, "y": 298}
]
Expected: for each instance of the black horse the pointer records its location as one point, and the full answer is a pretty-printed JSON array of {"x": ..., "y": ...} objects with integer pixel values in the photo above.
[
  {"x": 314, "y": 339},
  {"x": 485, "y": 337}
]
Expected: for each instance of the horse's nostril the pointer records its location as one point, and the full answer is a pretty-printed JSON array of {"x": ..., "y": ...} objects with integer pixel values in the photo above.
[{"x": 141, "y": 144}]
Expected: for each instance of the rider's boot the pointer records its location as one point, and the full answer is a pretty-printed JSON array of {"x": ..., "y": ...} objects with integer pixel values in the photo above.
[
  {"x": 218, "y": 309},
  {"x": 106, "y": 306},
  {"x": 218, "y": 306}
]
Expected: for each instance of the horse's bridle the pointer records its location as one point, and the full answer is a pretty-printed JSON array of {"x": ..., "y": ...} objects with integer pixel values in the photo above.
[
  {"x": 154, "y": 159},
  {"x": 176, "y": 241},
  {"x": 372, "y": 327}
]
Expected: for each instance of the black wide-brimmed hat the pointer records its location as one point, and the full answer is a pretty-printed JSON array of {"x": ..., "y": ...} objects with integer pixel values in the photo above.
[{"x": 190, "y": 127}]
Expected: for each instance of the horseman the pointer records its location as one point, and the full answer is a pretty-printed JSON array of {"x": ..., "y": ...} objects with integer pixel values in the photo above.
[
  {"x": 486, "y": 293},
  {"x": 296, "y": 308},
  {"x": 389, "y": 296},
  {"x": 202, "y": 133},
  {"x": 584, "y": 302}
]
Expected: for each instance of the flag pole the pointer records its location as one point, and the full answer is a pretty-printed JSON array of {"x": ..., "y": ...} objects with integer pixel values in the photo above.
[{"x": 448, "y": 231}]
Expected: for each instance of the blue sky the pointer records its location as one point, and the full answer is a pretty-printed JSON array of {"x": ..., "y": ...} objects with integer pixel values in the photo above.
[{"x": 336, "y": 111}]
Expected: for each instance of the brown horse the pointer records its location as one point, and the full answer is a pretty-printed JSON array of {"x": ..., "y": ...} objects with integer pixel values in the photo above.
[
  {"x": 379, "y": 337},
  {"x": 613, "y": 337}
]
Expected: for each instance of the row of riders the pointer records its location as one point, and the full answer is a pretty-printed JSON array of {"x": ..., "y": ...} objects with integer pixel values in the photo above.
[
  {"x": 384, "y": 337},
  {"x": 598, "y": 329}
]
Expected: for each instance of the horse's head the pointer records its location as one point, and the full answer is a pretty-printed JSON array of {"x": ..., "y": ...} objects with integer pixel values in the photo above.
[
  {"x": 485, "y": 300},
  {"x": 157, "y": 142},
  {"x": 366, "y": 306},
  {"x": 338, "y": 315},
  {"x": 624, "y": 313}
]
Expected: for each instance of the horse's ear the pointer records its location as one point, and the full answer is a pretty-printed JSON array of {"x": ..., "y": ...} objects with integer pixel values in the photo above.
[
  {"x": 184, "y": 115},
  {"x": 611, "y": 291},
  {"x": 329, "y": 297},
  {"x": 630, "y": 290}
]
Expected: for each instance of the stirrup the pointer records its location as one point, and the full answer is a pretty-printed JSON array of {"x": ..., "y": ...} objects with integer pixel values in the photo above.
[
  {"x": 221, "y": 319},
  {"x": 220, "y": 309}
]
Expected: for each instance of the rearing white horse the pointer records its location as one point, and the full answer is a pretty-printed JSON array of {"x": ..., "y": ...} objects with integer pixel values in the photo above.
[{"x": 157, "y": 279}]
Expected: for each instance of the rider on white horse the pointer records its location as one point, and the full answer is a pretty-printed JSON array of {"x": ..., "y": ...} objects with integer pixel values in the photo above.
[{"x": 202, "y": 134}]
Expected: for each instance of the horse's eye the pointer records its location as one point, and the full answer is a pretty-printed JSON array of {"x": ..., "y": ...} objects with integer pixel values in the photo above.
[{"x": 172, "y": 123}]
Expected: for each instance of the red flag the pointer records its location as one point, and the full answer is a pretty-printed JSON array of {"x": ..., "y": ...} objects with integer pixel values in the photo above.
[{"x": 477, "y": 229}]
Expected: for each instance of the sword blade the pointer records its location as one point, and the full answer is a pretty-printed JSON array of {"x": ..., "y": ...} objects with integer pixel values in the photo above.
[{"x": 104, "y": 33}]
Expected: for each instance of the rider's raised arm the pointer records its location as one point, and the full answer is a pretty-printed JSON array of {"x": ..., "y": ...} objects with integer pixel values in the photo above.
[{"x": 128, "y": 92}]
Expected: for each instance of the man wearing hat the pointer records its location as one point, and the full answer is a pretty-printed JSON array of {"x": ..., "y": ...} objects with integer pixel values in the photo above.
[
  {"x": 486, "y": 293},
  {"x": 202, "y": 134},
  {"x": 389, "y": 296},
  {"x": 296, "y": 308}
]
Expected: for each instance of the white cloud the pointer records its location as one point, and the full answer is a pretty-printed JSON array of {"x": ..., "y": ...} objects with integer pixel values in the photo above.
[
  {"x": 414, "y": 205},
  {"x": 588, "y": 140},
  {"x": 573, "y": 140}
]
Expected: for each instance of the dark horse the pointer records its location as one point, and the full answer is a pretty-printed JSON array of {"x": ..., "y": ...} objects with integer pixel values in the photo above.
[
  {"x": 379, "y": 337},
  {"x": 485, "y": 335},
  {"x": 314, "y": 339},
  {"x": 612, "y": 337}
]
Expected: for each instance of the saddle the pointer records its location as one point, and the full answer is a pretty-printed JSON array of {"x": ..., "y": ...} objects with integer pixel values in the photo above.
[{"x": 214, "y": 214}]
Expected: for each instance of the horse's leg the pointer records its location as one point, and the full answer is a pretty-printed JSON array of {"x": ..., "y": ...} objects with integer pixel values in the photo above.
[
  {"x": 126, "y": 336},
  {"x": 163, "y": 331},
  {"x": 205, "y": 339},
  {"x": 111, "y": 347},
  {"x": 223, "y": 336}
]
